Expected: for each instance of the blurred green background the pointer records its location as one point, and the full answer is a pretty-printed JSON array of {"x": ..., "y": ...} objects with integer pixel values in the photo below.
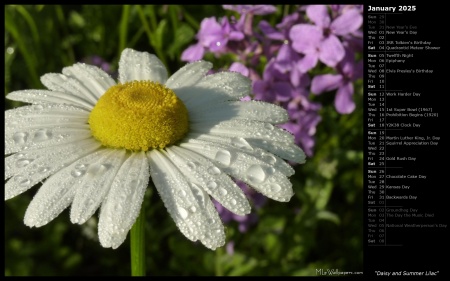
[{"x": 320, "y": 228}]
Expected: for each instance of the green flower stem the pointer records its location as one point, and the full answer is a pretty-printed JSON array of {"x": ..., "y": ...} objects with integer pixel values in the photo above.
[
  {"x": 137, "y": 235},
  {"x": 218, "y": 262}
]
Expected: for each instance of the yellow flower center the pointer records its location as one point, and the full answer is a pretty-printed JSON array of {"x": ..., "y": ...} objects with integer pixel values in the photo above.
[{"x": 139, "y": 115}]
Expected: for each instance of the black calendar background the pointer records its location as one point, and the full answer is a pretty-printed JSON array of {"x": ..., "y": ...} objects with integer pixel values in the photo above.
[{"x": 411, "y": 250}]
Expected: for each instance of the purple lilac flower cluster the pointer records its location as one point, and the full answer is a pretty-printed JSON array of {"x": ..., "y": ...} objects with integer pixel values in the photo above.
[{"x": 311, "y": 38}]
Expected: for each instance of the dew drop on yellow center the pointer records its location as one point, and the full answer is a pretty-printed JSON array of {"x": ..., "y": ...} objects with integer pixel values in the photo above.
[{"x": 139, "y": 116}]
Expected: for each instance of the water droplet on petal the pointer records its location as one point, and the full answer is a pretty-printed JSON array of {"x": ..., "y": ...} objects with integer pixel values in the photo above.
[
  {"x": 97, "y": 169},
  {"x": 43, "y": 170},
  {"x": 90, "y": 202},
  {"x": 211, "y": 184},
  {"x": 270, "y": 159},
  {"x": 38, "y": 107},
  {"x": 18, "y": 178},
  {"x": 191, "y": 165},
  {"x": 198, "y": 194},
  {"x": 20, "y": 138},
  {"x": 223, "y": 191},
  {"x": 233, "y": 201},
  {"x": 25, "y": 182},
  {"x": 268, "y": 126},
  {"x": 22, "y": 163},
  {"x": 214, "y": 171},
  {"x": 42, "y": 135},
  {"x": 193, "y": 209},
  {"x": 77, "y": 173},
  {"x": 273, "y": 187},
  {"x": 22, "y": 181},
  {"x": 80, "y": 166},
  {"x": 135, "y": 183},
  {"x": 256, "y": 174},
  {"x": 183, "y": 213},
  {"x": 223, "y": 157},
  {"x": 241, "y": 143}
]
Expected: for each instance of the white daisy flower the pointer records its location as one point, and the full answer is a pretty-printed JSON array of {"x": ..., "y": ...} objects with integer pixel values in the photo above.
[{"x": 98, "y": 142}]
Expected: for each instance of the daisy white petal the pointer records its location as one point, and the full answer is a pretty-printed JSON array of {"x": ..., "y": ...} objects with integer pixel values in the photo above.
[
  {"x": 203, "y": 173},
  {"x": 215, "y": 88},
  {"x": 260, "y": 175},
  {"x": 243, "y": 129},
  {"x": 27, "y": 138},
  {"x": 44, "y": 97},
  {"x": 134, "y": 65},
  {"x": 61, "y": 83},
  {"x": 251, "y": 110},
  {"x": 92, "y": 78},
  {"x": 30, "y": 167},
  {"x": 51, "y": 114},
  {"x": 121, "y": 208},
  {"x": 223, "y": 157},
  {"x": 189, "y": 74},
  {"x": 36, "y": 116},
  {"x": 95, "y": 184},
  {"x": 189, "y": 206},
  {"x": 57, "y": 192},
  {"x": 286, "y": 150},
  {"x": 19, "y": 162}
]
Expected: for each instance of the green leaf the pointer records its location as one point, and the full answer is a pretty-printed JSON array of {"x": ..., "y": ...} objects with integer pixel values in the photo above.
[
  {"x": 328, "y": 216},
  {"x": 183, "y": 35},
  {"x": 160, "y": 32}
]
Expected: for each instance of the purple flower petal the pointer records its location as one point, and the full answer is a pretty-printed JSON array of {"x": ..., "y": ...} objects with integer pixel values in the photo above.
[
  {"x": 300, "y": 80},
  {"x": 269, "y": 31},
  {"x": 291, "y": 127},
  {"x": 236, "y": 36},
  {"x": 318, "y": 14},
  {"x": 285, "y": 58},
  {"x": 210, "y": 31},
  {"x": 229, "y": 7},
  {"x": 295, "y": 76},
  {"x": 229, "y": 31},
  {"x": 282, "y": 91},
  {"x": 253, "y": 9},
  {"x": 331, "y": 51},
  {"x": 346, "y": 65},
  {"x": 230, "y": 245},
  {"x": 263, "y": 9},
  {"x": 239, "y": 67},
  {"x": 261, "y": 91},
  {"x": 358, "y": 70},
  {"x": 325, "y": 83},
  {"x": 308, "y": 62},
  {"x": 218, "y": 45},
  {"x": 305, "y": 37},
  {"x": 193, "y": 53},
  {"x": 346, "y": 23},
  {"x": 343, "y": 101},
  {"x": 288, "y": 21}
]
